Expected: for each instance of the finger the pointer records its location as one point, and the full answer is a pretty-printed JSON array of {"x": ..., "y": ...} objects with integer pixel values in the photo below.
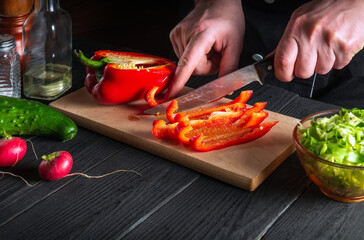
[
  {"x": 285, "y": 59},
  {"x": 176, "y": 37},
  {"x": 343, "y": 55},
  {"x": 325, "y": 61},
  {"x": 229, "y": 60},
  {"x": 209, "y": 64},
  {"x": 195, "y": 50},
  {"x": 172, "y": 37},
  {"x": 305, "y": 62}
]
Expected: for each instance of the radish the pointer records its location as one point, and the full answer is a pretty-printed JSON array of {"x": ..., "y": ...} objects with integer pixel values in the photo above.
[
  {"x": 55, "y": 165},
  {"x": 12, "y": 150}
]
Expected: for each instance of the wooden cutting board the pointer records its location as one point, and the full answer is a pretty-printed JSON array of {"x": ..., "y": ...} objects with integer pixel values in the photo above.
[{"x": 244, "y": 166}]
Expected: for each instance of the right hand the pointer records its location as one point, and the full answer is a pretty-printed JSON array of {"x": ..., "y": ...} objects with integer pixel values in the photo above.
[{"x": 208, "y": 40}]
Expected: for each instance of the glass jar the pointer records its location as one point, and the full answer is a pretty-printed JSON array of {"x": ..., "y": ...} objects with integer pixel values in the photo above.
[
  {"x": 47, "y": 55},
  {"x": 12, "y": 16},
  {"x": 10, "y": 67}
]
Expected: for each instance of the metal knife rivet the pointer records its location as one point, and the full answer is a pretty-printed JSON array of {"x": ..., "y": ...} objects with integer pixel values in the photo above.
[
  {"x": 270, "y": 67},
  {"x": 257, "y": 57}
]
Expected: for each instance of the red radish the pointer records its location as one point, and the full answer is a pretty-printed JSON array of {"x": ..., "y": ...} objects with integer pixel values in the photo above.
[
  {"x": 55, "y": 165},
  {"x": 12, "y": 150}
]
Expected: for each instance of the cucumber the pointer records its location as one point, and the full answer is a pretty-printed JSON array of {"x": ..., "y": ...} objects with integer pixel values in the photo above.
[{"x": 27, "y": 117}]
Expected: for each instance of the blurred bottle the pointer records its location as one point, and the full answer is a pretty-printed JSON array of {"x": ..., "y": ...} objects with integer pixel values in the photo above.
[
  {"x": 47, "y": 56},
  {"x": 12, "y": 16},
  {"x": 10, "y": 67}
]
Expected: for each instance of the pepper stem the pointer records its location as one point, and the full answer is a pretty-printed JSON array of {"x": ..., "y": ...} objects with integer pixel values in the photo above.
[{"x": 88, "y": 62}]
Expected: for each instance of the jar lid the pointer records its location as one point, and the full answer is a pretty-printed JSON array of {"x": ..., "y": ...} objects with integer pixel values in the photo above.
[{"x": 7, "y": 42}]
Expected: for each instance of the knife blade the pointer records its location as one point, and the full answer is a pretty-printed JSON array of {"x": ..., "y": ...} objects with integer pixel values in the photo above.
[{"x": 220, "y": 87}]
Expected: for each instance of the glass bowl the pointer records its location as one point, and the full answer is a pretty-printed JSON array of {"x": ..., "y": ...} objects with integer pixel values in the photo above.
[{"x": 340, "y": 182}]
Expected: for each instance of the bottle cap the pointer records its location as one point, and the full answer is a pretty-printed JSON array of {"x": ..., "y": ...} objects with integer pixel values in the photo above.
[{"x": 7, "y": 42}]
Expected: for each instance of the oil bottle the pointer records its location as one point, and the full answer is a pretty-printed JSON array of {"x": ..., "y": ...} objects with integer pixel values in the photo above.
[{"x": 47, "y": 51}]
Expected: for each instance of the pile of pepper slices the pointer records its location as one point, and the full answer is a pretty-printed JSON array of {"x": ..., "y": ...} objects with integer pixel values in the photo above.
[{"x": 215, "y": 127}]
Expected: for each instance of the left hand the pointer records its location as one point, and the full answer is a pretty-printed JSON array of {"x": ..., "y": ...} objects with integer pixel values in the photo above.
[{"x": 321, "y": 35}]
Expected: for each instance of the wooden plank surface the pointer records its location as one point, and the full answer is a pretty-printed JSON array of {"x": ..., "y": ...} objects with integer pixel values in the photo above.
[
  {"x": 99, "y": 208},
  {"x": 245, "y": 166}
]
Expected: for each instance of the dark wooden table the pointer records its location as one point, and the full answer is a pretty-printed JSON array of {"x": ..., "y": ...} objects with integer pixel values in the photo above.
[{"x": 169, "y": 201}]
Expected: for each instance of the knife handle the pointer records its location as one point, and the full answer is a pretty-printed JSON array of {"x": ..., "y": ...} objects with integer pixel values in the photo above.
[{"x": 265, "y": 67}]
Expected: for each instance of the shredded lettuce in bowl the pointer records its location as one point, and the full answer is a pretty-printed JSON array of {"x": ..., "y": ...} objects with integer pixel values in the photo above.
[{"x": 338, "y": 139}]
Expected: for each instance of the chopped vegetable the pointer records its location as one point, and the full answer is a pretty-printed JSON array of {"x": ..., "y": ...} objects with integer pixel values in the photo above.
[
  {"x": 242, "y": 135},
  {"x": 150, "y": 97},
  {"x": 215, "y": 127},
  {"x": 338, "y": 139}
]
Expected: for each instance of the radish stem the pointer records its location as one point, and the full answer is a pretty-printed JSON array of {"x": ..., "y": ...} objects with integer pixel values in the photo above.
[
  {"x": 31, "y": 143},
  {"x": 104, "y": 175},
  {"x": 14, "y": 175}
]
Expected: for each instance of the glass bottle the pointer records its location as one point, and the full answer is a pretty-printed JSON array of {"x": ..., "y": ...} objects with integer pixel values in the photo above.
[
  {"x": 9, "y": 67},
  {"x": 47, "y": 55}
]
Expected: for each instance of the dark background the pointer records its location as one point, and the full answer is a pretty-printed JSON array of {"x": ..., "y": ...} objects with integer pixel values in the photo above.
[{"x": 141, "y": 25}]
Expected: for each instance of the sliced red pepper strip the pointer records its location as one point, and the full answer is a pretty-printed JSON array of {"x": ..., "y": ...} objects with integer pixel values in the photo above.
[
  {"x": 171, "y": 109},
  {"x": 235, "y": 104},
  {"x": 227, "y": 129},
  {"x": 151, "y": 95},
  {"x": 182, "y": 130},
  {"x": 253, "y": 120},
  {"x": 243, "y": 97},
  {"x": 222, "y": 122},
  {"x": 186, "y": 129},
  {"x": 244, "y": 135},
  {"x": 205, "y": 112},
  {"x": 162, "y": 130},
  {"x": 122, "y": 77},
  {"x": 258, "y": 107}
]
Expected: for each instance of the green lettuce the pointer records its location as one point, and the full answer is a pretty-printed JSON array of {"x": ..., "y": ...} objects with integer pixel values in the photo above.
[{"x": 338, "y": 139}]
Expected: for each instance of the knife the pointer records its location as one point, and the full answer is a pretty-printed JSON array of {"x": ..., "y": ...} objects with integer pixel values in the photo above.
[{"x": 220, "y": 87}]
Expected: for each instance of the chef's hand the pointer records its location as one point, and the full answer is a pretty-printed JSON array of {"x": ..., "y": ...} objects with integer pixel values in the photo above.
[
  {"x": 208, "y": 40},
  {"x": 321, "y": 35}
]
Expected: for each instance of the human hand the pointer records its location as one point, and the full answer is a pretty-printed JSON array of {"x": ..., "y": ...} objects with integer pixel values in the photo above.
[
  {"x": 321, "y": 35},
  {"x": 208, "y": 40}
]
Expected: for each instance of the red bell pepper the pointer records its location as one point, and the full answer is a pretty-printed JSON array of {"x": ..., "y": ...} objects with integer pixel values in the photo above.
[
  {"x": 237, "y": 103},
  {"x": 222, "y": 122},
  {"x": 120, "y": 77},
  {"x": 215, "y": 127},
  {"x": 186, "y": 129},
  {"x": 150, "y": 97},
  {"x": 207, "y": 143},
  {"x": 162, "y": 130}
]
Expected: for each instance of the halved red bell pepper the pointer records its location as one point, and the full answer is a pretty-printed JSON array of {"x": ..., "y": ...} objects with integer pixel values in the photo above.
[
  {"x": 120, "y": 77},
  {"x": 207, "y": 143}
]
